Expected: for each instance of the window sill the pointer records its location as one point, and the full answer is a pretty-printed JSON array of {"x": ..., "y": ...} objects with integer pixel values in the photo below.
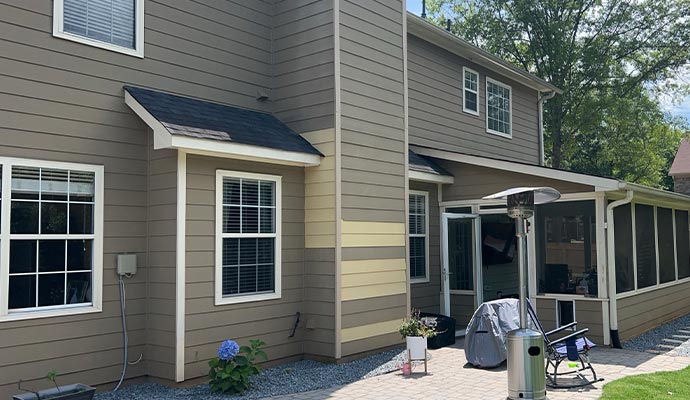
[
  {"x": 579, "y": 297},
  {"x": 471, "y": 112},
  {"x": 501, "y": 134},
  {"x": 139, "y": 53},
  {"x": 419, "y": 280},
  {"x": 223, "y": 301},
  {"x": 60, "y": 312}
]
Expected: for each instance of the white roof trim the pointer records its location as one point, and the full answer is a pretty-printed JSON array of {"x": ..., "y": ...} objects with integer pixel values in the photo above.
[
  {"x": 600, "y": 184},
  {"x": 425, "y": 30},
  {"x": 428, "y": 177},
  {"x": 163, "y": 139}
]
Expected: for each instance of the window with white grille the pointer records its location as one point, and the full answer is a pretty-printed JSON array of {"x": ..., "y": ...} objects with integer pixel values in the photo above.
[
  {"x": 470, "y": 91},
  {"x": 248, "y": 242},
  {"x": 50, "y": 238},
  {"x": 498, "y": 108},
  {"x": 419, "y": 236},
  {"x": 116, "y": 25}
]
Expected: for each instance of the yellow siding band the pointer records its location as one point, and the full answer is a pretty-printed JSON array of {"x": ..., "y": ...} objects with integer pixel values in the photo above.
[
  {"x": 367, "y": 266},
  {"x": 319, "y": 242},
  {"x": 373, "y": 278},
  {"x": 366, "y": 292},
  {"x": 363, "y": 240},
  {"x": 320, "y": 215},
  {"x": 371, "y": 330},
  {"x": 362, "y": 227}
]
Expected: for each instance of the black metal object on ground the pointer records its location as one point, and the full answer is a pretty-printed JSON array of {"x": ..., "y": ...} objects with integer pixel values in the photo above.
[{"x": 445, "y": 326}]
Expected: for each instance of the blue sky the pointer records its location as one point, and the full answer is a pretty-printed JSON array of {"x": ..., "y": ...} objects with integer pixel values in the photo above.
[{"x": 682, "y": 109}]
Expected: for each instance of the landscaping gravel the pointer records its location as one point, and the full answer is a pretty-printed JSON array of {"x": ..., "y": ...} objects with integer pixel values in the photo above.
[
  {"x": 672, "y": 338},
  {"x": 300, "y": 376}
]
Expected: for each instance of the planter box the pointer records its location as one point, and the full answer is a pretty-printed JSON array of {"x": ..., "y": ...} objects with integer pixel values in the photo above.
[
  {"x": 67, "y": 392},
  {"x": 417, "y": 346}
]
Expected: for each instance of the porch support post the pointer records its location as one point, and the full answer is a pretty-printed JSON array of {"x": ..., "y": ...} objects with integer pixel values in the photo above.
[{"x": 611, "y": 265}]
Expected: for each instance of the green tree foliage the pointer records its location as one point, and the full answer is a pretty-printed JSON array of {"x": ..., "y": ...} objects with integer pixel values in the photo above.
[{"x": 609, "y": 57}]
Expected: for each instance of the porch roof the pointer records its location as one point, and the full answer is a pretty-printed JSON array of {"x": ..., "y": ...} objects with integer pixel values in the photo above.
[
  {"x": 216, "y": 129},
  {"x": 600, "y": 183},
  {"x": 426, "y": 170}
]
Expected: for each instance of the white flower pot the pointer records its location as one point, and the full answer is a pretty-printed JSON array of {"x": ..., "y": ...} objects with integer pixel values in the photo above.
[{"x": 417, "y": 346}]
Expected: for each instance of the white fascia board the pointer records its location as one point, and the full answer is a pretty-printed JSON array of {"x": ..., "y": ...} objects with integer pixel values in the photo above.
[
  {"x": 163, "y": 139},
  {"x": 432, "y": 178},
  {"x": 605, "y": 184}
]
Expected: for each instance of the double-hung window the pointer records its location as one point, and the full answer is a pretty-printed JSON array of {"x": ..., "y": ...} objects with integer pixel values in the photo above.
[
  {"x": 419, "y": 236},
  {"x": 499, "y": 108},
  {"x": 50, "y": 238},
  {"x": 116, "y": 25},
  {"x": 248, "y": 218},
  {"x": 470, "y": 91}
]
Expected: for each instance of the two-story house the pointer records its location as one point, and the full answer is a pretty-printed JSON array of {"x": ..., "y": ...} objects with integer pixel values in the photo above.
[{"x": 304, "y": 172}]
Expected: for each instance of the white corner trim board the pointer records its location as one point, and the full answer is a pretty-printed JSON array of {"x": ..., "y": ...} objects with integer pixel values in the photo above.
[
  {"x": 180, "y": 265},
  {"x": 163, "y": 139}
]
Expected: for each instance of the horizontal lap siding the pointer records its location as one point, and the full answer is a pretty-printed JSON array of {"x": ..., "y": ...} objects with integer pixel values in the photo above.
[
  {"x": 207, "y": 325},
  {"x": 64, "y": 101},
  {"x": 303, "y": 81},
  {"x": 472, "y": 182},
  {"x": 640, "y": 313},
  {"x": 588, "y": 314},
  {"x": 162, "y": 223},
  {"x": 373, "y": 283},
  {"x": 461, "y": 308},
  {"x": 426, "y": 296},
  {"x": 436, "y": 118}
]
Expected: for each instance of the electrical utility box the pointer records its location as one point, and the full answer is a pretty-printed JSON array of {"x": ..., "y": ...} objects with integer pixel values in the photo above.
[{"x": 126, "y": 264}]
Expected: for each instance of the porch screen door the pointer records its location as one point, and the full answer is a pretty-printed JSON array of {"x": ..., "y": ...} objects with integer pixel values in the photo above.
[{"x": 460, "y": 256}]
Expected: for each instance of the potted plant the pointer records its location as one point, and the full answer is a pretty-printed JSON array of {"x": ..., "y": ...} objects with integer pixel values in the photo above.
[
  {"x": 68, "y": 392},
  {"x": 416, "y": 330}
]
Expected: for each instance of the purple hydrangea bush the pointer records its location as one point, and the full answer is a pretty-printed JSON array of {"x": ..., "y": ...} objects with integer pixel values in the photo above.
[{"x": 230, "y": 371}]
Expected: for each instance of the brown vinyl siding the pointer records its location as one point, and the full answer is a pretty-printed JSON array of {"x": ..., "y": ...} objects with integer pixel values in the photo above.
[
  {"x": 461, "y": 308},
  {"x": 207, "y": 324},
  {"x": 303, "y": 82},
  {"x": 319, "y": 302},
  {"x": 645, "y": 311},
  {"x": 473, "y": 182},
  {"x": 588, "y": 314},
  {"x": 63, "y": 101},
  {"x": 162, "y": 223},
  {"x": 426, "y": 296},
  {"x": 436, "y": 118}
]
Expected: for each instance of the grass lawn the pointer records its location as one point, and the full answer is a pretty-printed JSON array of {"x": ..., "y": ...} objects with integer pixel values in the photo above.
[{"x": 659, "y": 385}]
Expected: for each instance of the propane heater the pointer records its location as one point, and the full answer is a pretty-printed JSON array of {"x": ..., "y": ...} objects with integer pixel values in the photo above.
[{"x": 525, "y": 347}]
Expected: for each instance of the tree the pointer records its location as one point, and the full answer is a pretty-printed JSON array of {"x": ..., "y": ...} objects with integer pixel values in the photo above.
[{"x": 605, "y": 55}]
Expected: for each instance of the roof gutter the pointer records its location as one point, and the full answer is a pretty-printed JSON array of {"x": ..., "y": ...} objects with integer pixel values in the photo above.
[
  {"x": 672, "y": 196},
  {"x": 542, "y": 98},
  {"x": 611, "y": 267}
]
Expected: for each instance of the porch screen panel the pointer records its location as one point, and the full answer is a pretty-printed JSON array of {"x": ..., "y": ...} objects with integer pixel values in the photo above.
[
  {"x": 682, "y": 244},
  {"x": 567, "y": 248},
  {"x": 622, "y": 219},
  {"x": 667, "y": 262},
  {"x": 645, "y": 246},
  {"x": 249, "y": 229}
]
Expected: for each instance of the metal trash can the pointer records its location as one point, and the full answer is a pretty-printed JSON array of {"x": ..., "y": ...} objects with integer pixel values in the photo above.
[{"x": 526, "y": 376}]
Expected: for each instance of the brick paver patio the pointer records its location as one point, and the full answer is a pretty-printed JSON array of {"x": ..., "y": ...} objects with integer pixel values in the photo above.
[{"x": 450, "y": 378}]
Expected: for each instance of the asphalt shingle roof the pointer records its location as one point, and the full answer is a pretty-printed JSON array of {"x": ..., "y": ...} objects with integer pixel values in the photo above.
[
  {"x": 424, "y": 164},
  {"x": 207, "y": 120},
  {"x": 681, "y": 164}
]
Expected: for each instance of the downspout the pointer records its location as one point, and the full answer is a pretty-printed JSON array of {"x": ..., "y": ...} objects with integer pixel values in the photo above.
[
  {"x": 611, "y": 267},
  {"x": 542, "y": 98}
]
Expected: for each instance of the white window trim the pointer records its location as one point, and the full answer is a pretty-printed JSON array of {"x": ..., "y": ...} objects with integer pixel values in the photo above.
[
  {"x": 658, "y": 285},
  {"x": 425, "y": 236},
  {"x": 137, "y": 51},
  {"x": 220, "y": 299},
  {"x": 508, "y": 135},
  {"x": 97, "y": 272},
  {"x": 465, "y": 89},
  {"x": 558, "y": 310}
]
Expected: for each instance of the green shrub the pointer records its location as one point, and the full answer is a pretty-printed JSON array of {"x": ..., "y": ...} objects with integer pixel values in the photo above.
[{"x": 230, "y": 371}]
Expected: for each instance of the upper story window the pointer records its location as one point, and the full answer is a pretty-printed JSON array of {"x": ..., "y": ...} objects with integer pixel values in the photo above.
[
  {"x": 499, "y": 108},
  {"x": 471, "y": 91},
  {"x": 248, "y": 218},
  {"x": 50, "y": 239},
  {"x": 419, "y": 236},
  {"x": 116, "y": 25}
]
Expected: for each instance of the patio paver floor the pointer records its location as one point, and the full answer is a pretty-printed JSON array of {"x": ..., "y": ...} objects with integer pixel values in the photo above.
[{"x": 450, "y": 378}]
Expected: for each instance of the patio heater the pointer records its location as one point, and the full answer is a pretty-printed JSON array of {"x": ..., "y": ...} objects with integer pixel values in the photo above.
[{"x": 524, "y": 346}]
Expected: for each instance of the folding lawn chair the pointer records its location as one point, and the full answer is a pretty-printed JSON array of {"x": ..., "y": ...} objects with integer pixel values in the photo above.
[{"x": 571, "y": 348}]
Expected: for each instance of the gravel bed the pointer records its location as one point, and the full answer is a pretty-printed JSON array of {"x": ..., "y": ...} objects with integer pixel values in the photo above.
[
  {"x": 300, "y": 376},
  {"x": 672, "y": 338}
]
